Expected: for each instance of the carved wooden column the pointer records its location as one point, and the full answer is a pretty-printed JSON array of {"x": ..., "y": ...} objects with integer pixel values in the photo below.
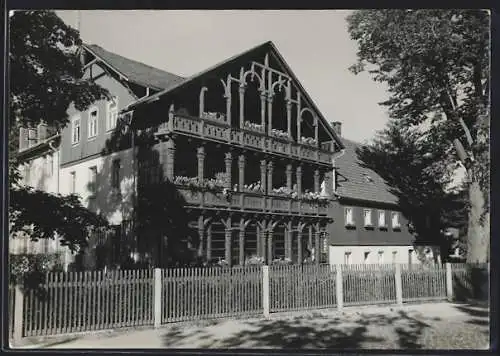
[
  {"x": 209, "y": 242},
  {"x": 316, "y": 180},
  {"x": 289, "y": 118},
  {"x": 241, "y": 167},
  {"x": 270, "y": 168},
  {"x": 201, "y": 230},
  {"x": 269, "y": 114},
  {"x": 269, "y": 245},
  {"x": 289, "y": 176},
  {"x": 201, "y": 163},
  {"x": 242, "y": 104},
  {"x": 299, "y": 128},
  {"x": 227, "y": 95},
  {"x": 263, "y": 170},
  {"x": 328, "y": 183},
  {"x": 299, "y": 180},
  {"x": 316, "y": 127},
  {"x": 228, "y": 160},
  {"x": 242, "y": 242},
  {"x": 288, "y": 240},
  {"x": 263, "y": 97},
  {"x": 259, "y": 242},
  {"x": 310, "y": 238},
  {"x": 228, "y": 237},
  {"x": 300, "y": 258},
  {"x": 263, "y": 239},
  {"x": 202, "y": 101},
  {"x": 317, "y": 246},
  {"x": 169, "y": 159}
]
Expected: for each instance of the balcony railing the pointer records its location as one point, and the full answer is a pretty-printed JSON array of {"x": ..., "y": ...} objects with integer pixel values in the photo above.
[
  {"x": 223, "y": 132},
  {"x": 247, "y": 201}
]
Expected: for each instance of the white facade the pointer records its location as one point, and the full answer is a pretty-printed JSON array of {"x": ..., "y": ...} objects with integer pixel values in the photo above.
[{"x": 373, "y": 254}]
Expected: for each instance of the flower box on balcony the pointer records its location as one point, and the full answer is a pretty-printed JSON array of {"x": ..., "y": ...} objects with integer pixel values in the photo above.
[
  {"x": 247, "y": 125},
  {"x": 280, "y": 134},
  {"x": 214, "y": 116},
  {"x": 308, "y": 141}
]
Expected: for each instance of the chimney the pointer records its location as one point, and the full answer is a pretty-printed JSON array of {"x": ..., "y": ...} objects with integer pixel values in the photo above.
[
  {"x": 23, "y": 138},
  {"x": 337, "y": 127},
  {"x": 42, "y": 131}
]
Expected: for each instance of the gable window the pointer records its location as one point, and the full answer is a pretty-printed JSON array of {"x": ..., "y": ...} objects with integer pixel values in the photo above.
[
  {"x": 92, "y": 181},
  {"x": 349, "y": 216},
  {"x": 396, "y": 224},
  {"x": 381, "y": 257},
  {"x": 381, "y": 219},
  {"x": 72, "y": 182},
  {"x": 115, "y": 174},
  {"x": 112, "y": 114},
  {"x": 368, "y": 217},
  {"x": 75, "y": 130},
  {"x": 93, "y": 115},
  {"x": 347, "y": 258}
]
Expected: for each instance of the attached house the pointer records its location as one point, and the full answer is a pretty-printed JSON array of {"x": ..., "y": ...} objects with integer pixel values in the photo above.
[{"x": 368, "y": 226}]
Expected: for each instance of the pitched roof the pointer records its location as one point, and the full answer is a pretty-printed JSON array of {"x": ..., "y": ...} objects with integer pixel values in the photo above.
[
  {"x": 136, "y": 72},
  {"x": 357, "y": 182},
  {"x": 280, "y": 58}
]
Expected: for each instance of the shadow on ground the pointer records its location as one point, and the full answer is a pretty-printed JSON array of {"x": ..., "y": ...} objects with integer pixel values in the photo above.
[{"x": 315, "y": 331}]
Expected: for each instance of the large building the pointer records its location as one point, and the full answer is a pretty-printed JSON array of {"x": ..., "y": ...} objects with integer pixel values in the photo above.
[{"x": 244, "y": 147}]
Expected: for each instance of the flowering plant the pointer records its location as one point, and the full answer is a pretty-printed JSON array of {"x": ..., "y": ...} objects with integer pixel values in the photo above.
[
  {"x": 254, "y": 260},
  {"x": 254, "y": 187},
  {"x": 214, "y": 116},
  {"x": 194, "y": 183},
  {"x": 253, "y": 127},
  {"x": 280, "y": 134},
  {"x": 314, "y": 196},
  {"x": 308, "y": 141},
  {"x": 282, "y": 261}
]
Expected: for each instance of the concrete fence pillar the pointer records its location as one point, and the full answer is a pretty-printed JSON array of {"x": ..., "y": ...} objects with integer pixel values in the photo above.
[
  {"x": 339, "y": 287},
  {"x": 265, "y": 290},
  {"x": 449, "y": 282},
  {"x": 157, "y": 297},
  {"x": 399, "y": 285},
  {"x": 18, "y": 313}
]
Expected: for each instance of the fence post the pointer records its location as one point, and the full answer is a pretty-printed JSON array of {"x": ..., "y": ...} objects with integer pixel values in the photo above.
[
  {"x": 18, "y": 313},
  {"x": 399, "y": 285},
  {"x": 157, "y": 297},
  {"x": 449, "y": 282},
  {"x": 339, "y": 287},
  {"x": 265, "y": 290}
]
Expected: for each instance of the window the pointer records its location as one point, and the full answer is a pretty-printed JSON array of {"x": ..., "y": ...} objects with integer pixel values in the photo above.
[
  {"x": 92, "y": 181},
  {"x": 381, "y": 219},
  {"x": 72, "y": 182},
  {"x": 410, "y": 256},
  {"x": 349, "y": 216},
  {"x": 396, "y": 224},
  {"x": 75, "y": 130},
  {"x": 347, "y": 258},
  {"x": 93, "y": 115},
  {"x": 115, "y": 174},
  {"x": 366, "y": 258},
  {"x": 112, "y": 114},
  {"x": 381, "y": 257},
  {"x": 368, "y": 217},
  {"x": 394, "y": 256}
]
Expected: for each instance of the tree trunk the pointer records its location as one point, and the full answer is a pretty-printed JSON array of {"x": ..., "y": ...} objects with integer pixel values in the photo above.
[{"x": 478, "y": 234}]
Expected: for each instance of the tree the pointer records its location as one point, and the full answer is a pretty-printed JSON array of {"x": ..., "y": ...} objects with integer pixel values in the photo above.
[
  {"x": 437, "y": 61},
  {"x": 45, "y": 77},
  {"x": 418, "y": 168}
]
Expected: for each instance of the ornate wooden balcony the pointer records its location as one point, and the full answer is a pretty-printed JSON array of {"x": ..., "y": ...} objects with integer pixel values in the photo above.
[
  {"x": 223, "y": 132},
  {"x": 252, "y": 202}
]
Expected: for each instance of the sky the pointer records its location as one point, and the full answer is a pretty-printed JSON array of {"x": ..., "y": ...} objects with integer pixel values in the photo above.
[{"x": 315, "y": 44}]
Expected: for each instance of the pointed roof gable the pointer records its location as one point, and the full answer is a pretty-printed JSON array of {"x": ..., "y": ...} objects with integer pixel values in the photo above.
[
  {"x": 270, "y": 46},
  {"x": 134, "y": 71}
]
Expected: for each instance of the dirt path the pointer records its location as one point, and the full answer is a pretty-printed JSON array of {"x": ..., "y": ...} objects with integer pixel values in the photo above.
[{"x": 438, "y": 326}]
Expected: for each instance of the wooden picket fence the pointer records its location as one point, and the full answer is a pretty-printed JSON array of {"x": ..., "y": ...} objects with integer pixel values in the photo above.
[
  {"x": 302, "y": 287},
  {"x": 204, "y": 293},
  {"x": 88, "y": 301}
]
